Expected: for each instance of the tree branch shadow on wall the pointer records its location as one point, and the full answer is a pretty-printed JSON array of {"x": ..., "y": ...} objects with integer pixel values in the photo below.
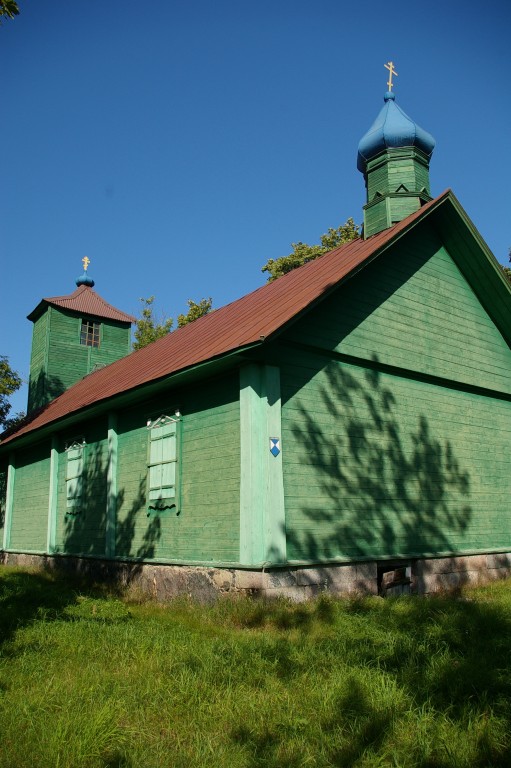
[
  {"x": 384, "y": 485},
  {"x": 85, "y": 532},
  {"x": 43, "y": 390}
]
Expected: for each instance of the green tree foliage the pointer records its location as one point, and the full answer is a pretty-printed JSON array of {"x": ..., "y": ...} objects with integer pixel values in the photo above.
[
  {"x": 8, "y": 9},
  {"x": 195, "y": 311},
  {"x": 303, "y": 253},
  {"x": 10, "y": 381},
  {"x": 148, "y": 328},
  {"x": 507, "y": 270}
]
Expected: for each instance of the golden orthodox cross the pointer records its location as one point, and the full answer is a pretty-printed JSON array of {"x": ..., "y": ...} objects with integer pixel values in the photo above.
[
  {"x": 85, "y": 262},
  {"x": 392, "y": 71}
]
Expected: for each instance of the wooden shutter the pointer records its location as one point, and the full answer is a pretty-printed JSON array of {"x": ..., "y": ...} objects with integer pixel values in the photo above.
[
  {"x": 74, "y": 478},
  {"x": 163, "y": 466}
]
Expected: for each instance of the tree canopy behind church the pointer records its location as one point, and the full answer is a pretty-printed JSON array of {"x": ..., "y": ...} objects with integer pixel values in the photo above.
[
  {"x": 302, "y": 252},
  {"x": 10, "y": 381},
  {"x": 8, "y": 9},
  {"x": 148, "y": 328}
]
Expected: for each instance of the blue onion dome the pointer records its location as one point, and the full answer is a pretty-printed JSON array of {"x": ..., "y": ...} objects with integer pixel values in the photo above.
[
  {"x": 85, "y": 279},
  {"x": 392, "y": 128}
]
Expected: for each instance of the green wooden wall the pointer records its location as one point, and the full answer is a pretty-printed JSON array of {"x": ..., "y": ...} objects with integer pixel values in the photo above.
[
  {"x": 207, "y": 526},
  {"x": 59, "y": 360},
  {"x": 395, "y": 417},
  {"x": 38, "y": 362},
  {"x": 412, "y": 308},
  {"x": 29, "y": 523},
  {"x": 388, "y": 449},
  {"x": 3, "y": 495},
  {"x": 392, "y": 170},
  {"x": 84, "y": 533},
  {"x": 397, "y": 183},
  {"x": 378, "y": 466}
]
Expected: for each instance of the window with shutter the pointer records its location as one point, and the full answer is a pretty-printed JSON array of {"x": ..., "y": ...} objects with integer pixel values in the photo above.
[
  {"x": 74, "y": 477},
  {"x": 162, "y": 466}
]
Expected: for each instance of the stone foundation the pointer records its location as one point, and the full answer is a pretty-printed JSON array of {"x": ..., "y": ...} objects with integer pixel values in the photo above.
[{"x": 164, "y": 582}]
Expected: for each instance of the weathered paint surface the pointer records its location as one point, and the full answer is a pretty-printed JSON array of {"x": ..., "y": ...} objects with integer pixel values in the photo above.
[{"x": 390, "y": 449}]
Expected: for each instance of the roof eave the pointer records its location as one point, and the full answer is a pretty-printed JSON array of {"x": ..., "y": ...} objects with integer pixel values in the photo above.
[{"x": 219, "y": 364}]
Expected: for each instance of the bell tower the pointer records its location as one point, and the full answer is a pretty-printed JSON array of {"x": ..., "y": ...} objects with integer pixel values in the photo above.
[{"x": 73, "y": 335}]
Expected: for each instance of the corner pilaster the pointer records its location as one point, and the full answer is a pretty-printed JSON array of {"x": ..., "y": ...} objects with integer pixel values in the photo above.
[
  {"x": 262, "y": 512},
  {"x": 111, "y": 492},
  {"x": 52, "y": 497},
  {"x": 9, "y": 500}
]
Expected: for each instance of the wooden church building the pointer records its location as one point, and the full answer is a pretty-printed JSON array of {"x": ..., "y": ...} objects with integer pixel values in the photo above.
[{"x": 345, "y": 427}]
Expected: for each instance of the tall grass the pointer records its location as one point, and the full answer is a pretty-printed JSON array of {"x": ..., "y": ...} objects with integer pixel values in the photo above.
[{"x": 90, "y": 679}]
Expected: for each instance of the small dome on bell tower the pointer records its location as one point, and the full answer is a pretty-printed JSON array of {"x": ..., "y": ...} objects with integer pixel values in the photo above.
[
  {"x": 394, "y": 157},
  {"x": 85, "y": 279}
]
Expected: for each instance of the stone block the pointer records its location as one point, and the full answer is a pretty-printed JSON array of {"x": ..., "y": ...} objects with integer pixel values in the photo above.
[
  {"x": 279, "y": 578},
  {"x": 295, "y": 593},
  {"x": 249, "y": 580},
  {"x": 500, "y": 560},
  {"x": 312, "y": 577},
  {"x": 222, "y": 579}
]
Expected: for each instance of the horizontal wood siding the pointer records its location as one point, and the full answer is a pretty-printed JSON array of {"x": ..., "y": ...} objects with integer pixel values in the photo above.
[
  {"x": 401, "y": 207},
  {"x": 137, "y": 535},
  {"x": 37, "y": 382},
  {"x": 211, "y": 475},
  {"x": 3, "y": 495},
  {"x": 379, "y": 466},
  {"x": 68, "y": 360},
  {"x": 377, "y": 217},
  {"x": 115, "y": 342},
  {"x": 408, "y": 171},
  {"x": 412, "y": 308},
  {"x": 84, "y": 532},
  {"x": 207, "y": 526},
  {"x": 31, "y": 495}
]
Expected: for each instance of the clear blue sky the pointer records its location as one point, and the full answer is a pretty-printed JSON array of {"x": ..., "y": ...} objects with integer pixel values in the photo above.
[{"x": 179, "y": 145}]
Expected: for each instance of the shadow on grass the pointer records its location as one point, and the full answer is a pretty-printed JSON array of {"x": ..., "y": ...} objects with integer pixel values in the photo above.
[
  {"x": 448, "y": 658},
  {"x": 24, "y": 596},
  {"x": 277, "y": 614},
  {"x": 453, "y": 652},
  {"x": 28, "y": 596}
]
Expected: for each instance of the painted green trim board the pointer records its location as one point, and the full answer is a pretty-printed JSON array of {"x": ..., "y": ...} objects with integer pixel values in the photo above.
[
  {"x": 9, "y": 500},
  {"x": 262, "y": 513},
  {"x": 111, "y": 494},
  {"x": 53, "y": 497}
]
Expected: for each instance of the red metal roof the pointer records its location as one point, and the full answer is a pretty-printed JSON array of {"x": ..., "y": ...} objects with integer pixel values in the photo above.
[
  {"x": 247, "y": 321},
  {"x": 84, "y": 301}
]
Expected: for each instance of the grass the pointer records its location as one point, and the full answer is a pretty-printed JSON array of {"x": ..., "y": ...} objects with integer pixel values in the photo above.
[{"x": 90, "y": 679}]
